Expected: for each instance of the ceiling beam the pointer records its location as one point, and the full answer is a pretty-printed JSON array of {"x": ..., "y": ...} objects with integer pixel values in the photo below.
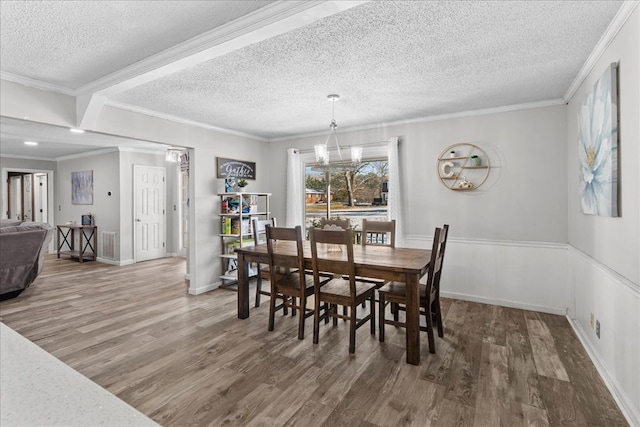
[{"x": 265, "y": 23}]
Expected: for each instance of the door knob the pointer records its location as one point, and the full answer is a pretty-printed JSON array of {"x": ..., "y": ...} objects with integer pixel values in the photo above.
[{"x": 138, "y": 220}]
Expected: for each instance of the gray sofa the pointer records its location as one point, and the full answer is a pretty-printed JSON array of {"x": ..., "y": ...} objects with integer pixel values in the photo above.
[{"x": 22, "y": 249}]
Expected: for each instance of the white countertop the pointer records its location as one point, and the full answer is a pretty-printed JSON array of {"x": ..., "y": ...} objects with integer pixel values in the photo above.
[{"x": 36, "y": 389}]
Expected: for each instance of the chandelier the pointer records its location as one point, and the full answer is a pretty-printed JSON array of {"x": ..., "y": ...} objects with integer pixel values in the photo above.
[{"x": 322, "y": 150}]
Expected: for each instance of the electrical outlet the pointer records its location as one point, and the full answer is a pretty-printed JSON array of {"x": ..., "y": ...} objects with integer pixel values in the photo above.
[
  {"x": 592, "y": 321},
  {"x": 598, "y": 328}
]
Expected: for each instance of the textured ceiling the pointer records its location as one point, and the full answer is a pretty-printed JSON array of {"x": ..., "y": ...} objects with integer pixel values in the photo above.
[
  {"x": 72, "y": 43},
  {"x": 389, "y": 61}
]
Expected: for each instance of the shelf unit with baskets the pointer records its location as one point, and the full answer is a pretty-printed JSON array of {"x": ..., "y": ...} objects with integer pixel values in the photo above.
[{"x": 236, "y": 212}]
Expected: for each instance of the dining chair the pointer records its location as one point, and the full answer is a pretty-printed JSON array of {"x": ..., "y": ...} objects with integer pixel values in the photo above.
[
  {"x": 395, "y": 293},
  {"x": 332, "y": 250},
  {"x": 259, "y": 238},
  {"x": 378, "y": 233},
  {"x": 336, "y": 225},
  {"x": 436, "y": 309},
  {"x": 288, "y": 279}
]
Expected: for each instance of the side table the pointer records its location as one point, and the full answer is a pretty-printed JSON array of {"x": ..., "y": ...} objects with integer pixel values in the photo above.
[{"x": 87, "y": 241}]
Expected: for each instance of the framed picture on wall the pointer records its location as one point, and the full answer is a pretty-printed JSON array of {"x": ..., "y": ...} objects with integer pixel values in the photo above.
[
  {"x": 82, "y": 188},
  {"x": 598, "y": 146}
]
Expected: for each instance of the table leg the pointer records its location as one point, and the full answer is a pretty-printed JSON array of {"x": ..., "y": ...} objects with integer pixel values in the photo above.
[
  {"x": 413, "y": 320},
  {"x": 243, "y": 288},
  {"x": 81, "y": 247}
]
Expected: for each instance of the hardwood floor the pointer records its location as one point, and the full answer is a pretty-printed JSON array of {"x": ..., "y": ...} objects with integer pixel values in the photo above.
[{"x": 187, "y": 360}]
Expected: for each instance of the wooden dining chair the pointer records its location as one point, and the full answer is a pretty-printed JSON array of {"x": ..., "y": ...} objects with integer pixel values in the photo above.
[
  {"x": 436, "y": 309},
  {"x": 380, "y": 233},
  {"x": 332, "y": 250},
  {"x": 289, "y": 281},
  {"x": 377, "y": 233},
  {"x": 395, "y": 293},
  {"x": 259, "y": 238}
]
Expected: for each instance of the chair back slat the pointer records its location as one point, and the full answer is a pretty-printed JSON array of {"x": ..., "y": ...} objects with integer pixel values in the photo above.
[
  {"x": 372, "y": 230},
  {"x": 435, "y": 260},
  {"x": 442, "y": 244}
]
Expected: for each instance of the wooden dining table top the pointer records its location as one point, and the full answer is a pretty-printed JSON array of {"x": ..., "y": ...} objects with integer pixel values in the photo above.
[{"x": 382, "y": 260}]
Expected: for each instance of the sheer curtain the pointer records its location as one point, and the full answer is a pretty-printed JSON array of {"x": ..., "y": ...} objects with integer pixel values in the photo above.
[
  {"x": 394, "y": 203},
  {"x": 295, "y": 193}
]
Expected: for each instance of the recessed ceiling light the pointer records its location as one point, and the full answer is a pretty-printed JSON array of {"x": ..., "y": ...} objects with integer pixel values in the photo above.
[
  {"x": 74, "y": 130},
  {"x": 30, "y": 143}
]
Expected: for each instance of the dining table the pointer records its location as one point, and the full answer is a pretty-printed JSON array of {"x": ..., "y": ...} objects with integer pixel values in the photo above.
[{"x": 406, "y": 265}]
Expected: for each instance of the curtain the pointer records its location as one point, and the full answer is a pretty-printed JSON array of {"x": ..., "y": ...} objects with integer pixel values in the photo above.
[
  {"x": 394, "y": 202},
  {"x": 295, "y": 194}
]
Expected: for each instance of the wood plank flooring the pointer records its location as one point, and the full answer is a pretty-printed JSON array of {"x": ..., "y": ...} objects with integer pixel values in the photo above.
[{"x": 189, "y": 361}]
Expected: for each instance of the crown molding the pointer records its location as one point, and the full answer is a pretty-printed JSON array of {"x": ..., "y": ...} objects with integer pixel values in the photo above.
[
  {"x": 179, "y": 120},
  {"x": 36, "y": 84},
  {"x": 470, "y": 113},
  {"x": 160, "y": 151},
  {"x": 17, "y": 156},
  {"x": 610, "y": 33},
  {"x": 87, "y": 154}
]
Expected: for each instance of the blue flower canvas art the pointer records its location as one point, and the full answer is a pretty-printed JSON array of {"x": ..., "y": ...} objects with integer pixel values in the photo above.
[{"x": 598, "y": 147}]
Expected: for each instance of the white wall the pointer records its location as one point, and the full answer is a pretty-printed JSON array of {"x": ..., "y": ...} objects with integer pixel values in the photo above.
[{"x": 604, "y": 260}]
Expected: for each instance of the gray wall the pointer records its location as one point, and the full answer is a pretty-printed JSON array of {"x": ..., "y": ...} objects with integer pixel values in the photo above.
[
  {"x": 524, "y": 198},
  {"x": 106, "y": 170},
  {"x": 604, "y": 260},
  {"x": 613, "y": 241}
]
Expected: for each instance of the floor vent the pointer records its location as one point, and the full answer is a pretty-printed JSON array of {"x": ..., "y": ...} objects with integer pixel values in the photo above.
[{"x": 108, "y": 244}]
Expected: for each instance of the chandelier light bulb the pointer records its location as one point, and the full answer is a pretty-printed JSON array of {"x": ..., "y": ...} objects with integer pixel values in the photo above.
[{"x": 356, "y": 154}]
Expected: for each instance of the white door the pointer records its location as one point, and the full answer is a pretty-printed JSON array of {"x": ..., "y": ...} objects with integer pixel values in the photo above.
[{"x": 149, "y": 215}]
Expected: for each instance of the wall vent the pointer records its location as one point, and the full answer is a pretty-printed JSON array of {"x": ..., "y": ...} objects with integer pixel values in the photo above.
[{"x": 108, "y": 239}]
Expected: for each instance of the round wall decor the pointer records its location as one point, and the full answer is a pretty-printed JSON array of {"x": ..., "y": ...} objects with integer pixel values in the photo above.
[{"x": 463, "y": 167}]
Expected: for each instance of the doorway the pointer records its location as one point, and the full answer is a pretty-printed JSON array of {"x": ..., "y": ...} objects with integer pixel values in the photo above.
[
  {"x": 27, "y": 195},
  {"x": 149, "y": 191}
]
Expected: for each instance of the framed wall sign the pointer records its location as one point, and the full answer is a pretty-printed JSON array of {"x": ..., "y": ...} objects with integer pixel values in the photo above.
[{"x": 231, "y": 168}]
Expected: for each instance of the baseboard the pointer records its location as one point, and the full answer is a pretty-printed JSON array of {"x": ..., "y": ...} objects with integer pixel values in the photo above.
[
  {"x": 206, "y": 288},
  {"x": 625, "y": 407},
  {"x": 115, "y": 262},
  {"x": 561, "y": 311}
]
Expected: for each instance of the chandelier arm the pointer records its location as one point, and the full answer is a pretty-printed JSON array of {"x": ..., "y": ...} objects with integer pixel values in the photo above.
[{"x": 335, "y": 137}]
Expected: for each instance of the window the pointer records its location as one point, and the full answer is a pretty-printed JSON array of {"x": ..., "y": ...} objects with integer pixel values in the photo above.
[{"x": 331, "y": 192}]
